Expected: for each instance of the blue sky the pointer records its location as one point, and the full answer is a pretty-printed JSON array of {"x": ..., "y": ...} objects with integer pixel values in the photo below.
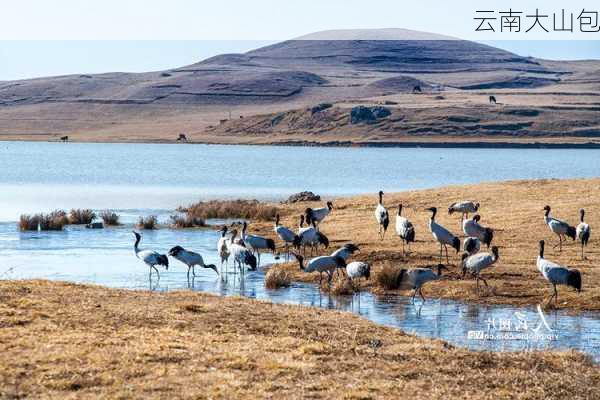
[{"x": 41, "y": 38}]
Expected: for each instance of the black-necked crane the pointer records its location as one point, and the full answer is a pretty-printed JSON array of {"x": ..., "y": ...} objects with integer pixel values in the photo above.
[
  {"x": 358, "y": 269},
  {"x": 557, "y": 274},
  {"x": 327, "y": 264},
  {"x": 149, "y": 257},
  {"x": 241, "y": 254},
  {"x": 464, "y": 208},
  {"x": 560, "y": 228},
  {"x": 472, "y": 228},
  {"x": 415, "y": 278},
  {"x": 472, "y": 245},
  {"x": 311, "y": 236},
  {"x": 478, "y": 262},
  {"x": 317, "y": 215},
  {"x": 287, "y": 236},
  {"x": 442, "y": 235},
  {"x": 346, "y": 251},
  {"x": 223, "y": 250},
  {"x": 583, "y": 231},
  {"x": 256, "y": 243},
  {"x": 404, "y": 229},
  {"x": 382, "y": 216},
  {"x": 191, "y": 259}
]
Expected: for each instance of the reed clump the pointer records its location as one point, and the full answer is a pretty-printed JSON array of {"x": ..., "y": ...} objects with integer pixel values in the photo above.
[
  {"x": 148, "y": 223},
  {"x": 54, "y": 221},
  {"x": 186, "y": 221},
  {"x": 110, "y": 218},
  {"x": 81, "y": 216},
  {"x": 224, "y": 209},
  {"x": 388, "y": 277},
  {"x": 342, "y": 287},
  {"x": 277, "y": 278}
]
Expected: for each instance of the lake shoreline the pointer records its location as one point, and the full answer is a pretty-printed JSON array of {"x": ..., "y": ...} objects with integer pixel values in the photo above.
[
  {"x": 492, "y": 143},
  {"x": 185, "y": 343}
]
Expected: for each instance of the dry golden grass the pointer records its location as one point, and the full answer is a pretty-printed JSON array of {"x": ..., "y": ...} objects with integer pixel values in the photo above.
[
  {"x": 512, "y": 209},
  {"x": 63, "y": 340},
  {"x": 224, "y": 209}
]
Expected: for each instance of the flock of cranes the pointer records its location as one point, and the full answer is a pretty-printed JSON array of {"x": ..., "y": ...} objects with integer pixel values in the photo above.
[{"x": 245, "y": 251}]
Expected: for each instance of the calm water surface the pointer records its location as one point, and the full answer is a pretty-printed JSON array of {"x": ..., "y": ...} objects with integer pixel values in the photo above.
[
  {"x": 39, "y": 176},
  {"x": 144, "y": 179}
]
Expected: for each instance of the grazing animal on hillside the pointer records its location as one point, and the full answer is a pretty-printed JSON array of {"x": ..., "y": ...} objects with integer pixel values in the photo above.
[
  {"x": 382, "y": 216},
  {"x": 182, "y": 138},
  {"x": 583, "y": 231},
  {"x": 493, "y": 100},
  {"x": 464, "y": 208},
  {"x": 471, "y": 245},
  {"x": 442, "y": 235},
  {"x": 472, "y": 228},
  {"x": 417, "y": 89},
  {"x": 560, "y": 228},
  {"x": 64, "y": 139},
  {"x": 287, "y": 236},
  {"x": 257, "y": 243},
  {"x": 404, "y": 229},
  {"x": 317, "y": 215},
  {"x": 557, "y": 274},
  {"x": 327, "y": 264},
  {"x": 415, "y": 278},
  {"x": 478, "y": 262},
  {"x": 149, "y": 257},
  {"x": 190, "y": 259}
]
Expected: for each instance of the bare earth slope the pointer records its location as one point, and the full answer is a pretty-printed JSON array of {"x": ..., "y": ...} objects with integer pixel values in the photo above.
[{"x": 299, "y": 74}]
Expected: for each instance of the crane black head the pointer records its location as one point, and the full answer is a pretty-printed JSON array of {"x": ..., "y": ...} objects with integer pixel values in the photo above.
[
  {"x": 175, "y": 250},
  {"x": 476, "y": 217},
  {"x": 250, "y": 259},
  {"x": 542, "y": 244},
  {"x": 581, "y": 214},
  {"x": 399, "y": 209},
  {"x": 330, "y": 205},
  {"x": 477, "y": 205},
  {"x": 495, "y": 252},
  {"x": 433, "y": 211},
  {"x": 381, "y": 197},
  {"x": 547, "y": 209}
]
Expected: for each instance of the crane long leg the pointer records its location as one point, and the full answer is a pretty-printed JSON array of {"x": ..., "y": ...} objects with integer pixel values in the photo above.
[
  {"x": 412, "y": 299},
  {"x": 421, "y": 293},
  {"x": 447, "y": 259},
  {"x": 441, "y": 253}
]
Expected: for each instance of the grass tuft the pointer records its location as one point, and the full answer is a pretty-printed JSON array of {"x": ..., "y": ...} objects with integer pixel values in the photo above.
[
  {"x": 110, "y": 218},
  {"x": 54, "y": 221},
  {"x": 81, "y": 216},
  {"x": 218, "y": 209},
  {"x": 187, "y": 221},
  {"x": 148, "y": 223},
  {"x": 342, "y": 287},
  {"x": 388, "y": 277},
  {"x": 277, "y": 278}
]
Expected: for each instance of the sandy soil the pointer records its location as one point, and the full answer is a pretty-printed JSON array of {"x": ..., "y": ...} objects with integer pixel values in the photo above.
[
  {"x": 69, "y": 341},
  {"x": 513, "y": 209}
]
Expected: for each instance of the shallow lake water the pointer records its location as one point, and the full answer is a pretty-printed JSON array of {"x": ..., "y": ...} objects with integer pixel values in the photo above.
[{"x": 145, "y": 179}]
